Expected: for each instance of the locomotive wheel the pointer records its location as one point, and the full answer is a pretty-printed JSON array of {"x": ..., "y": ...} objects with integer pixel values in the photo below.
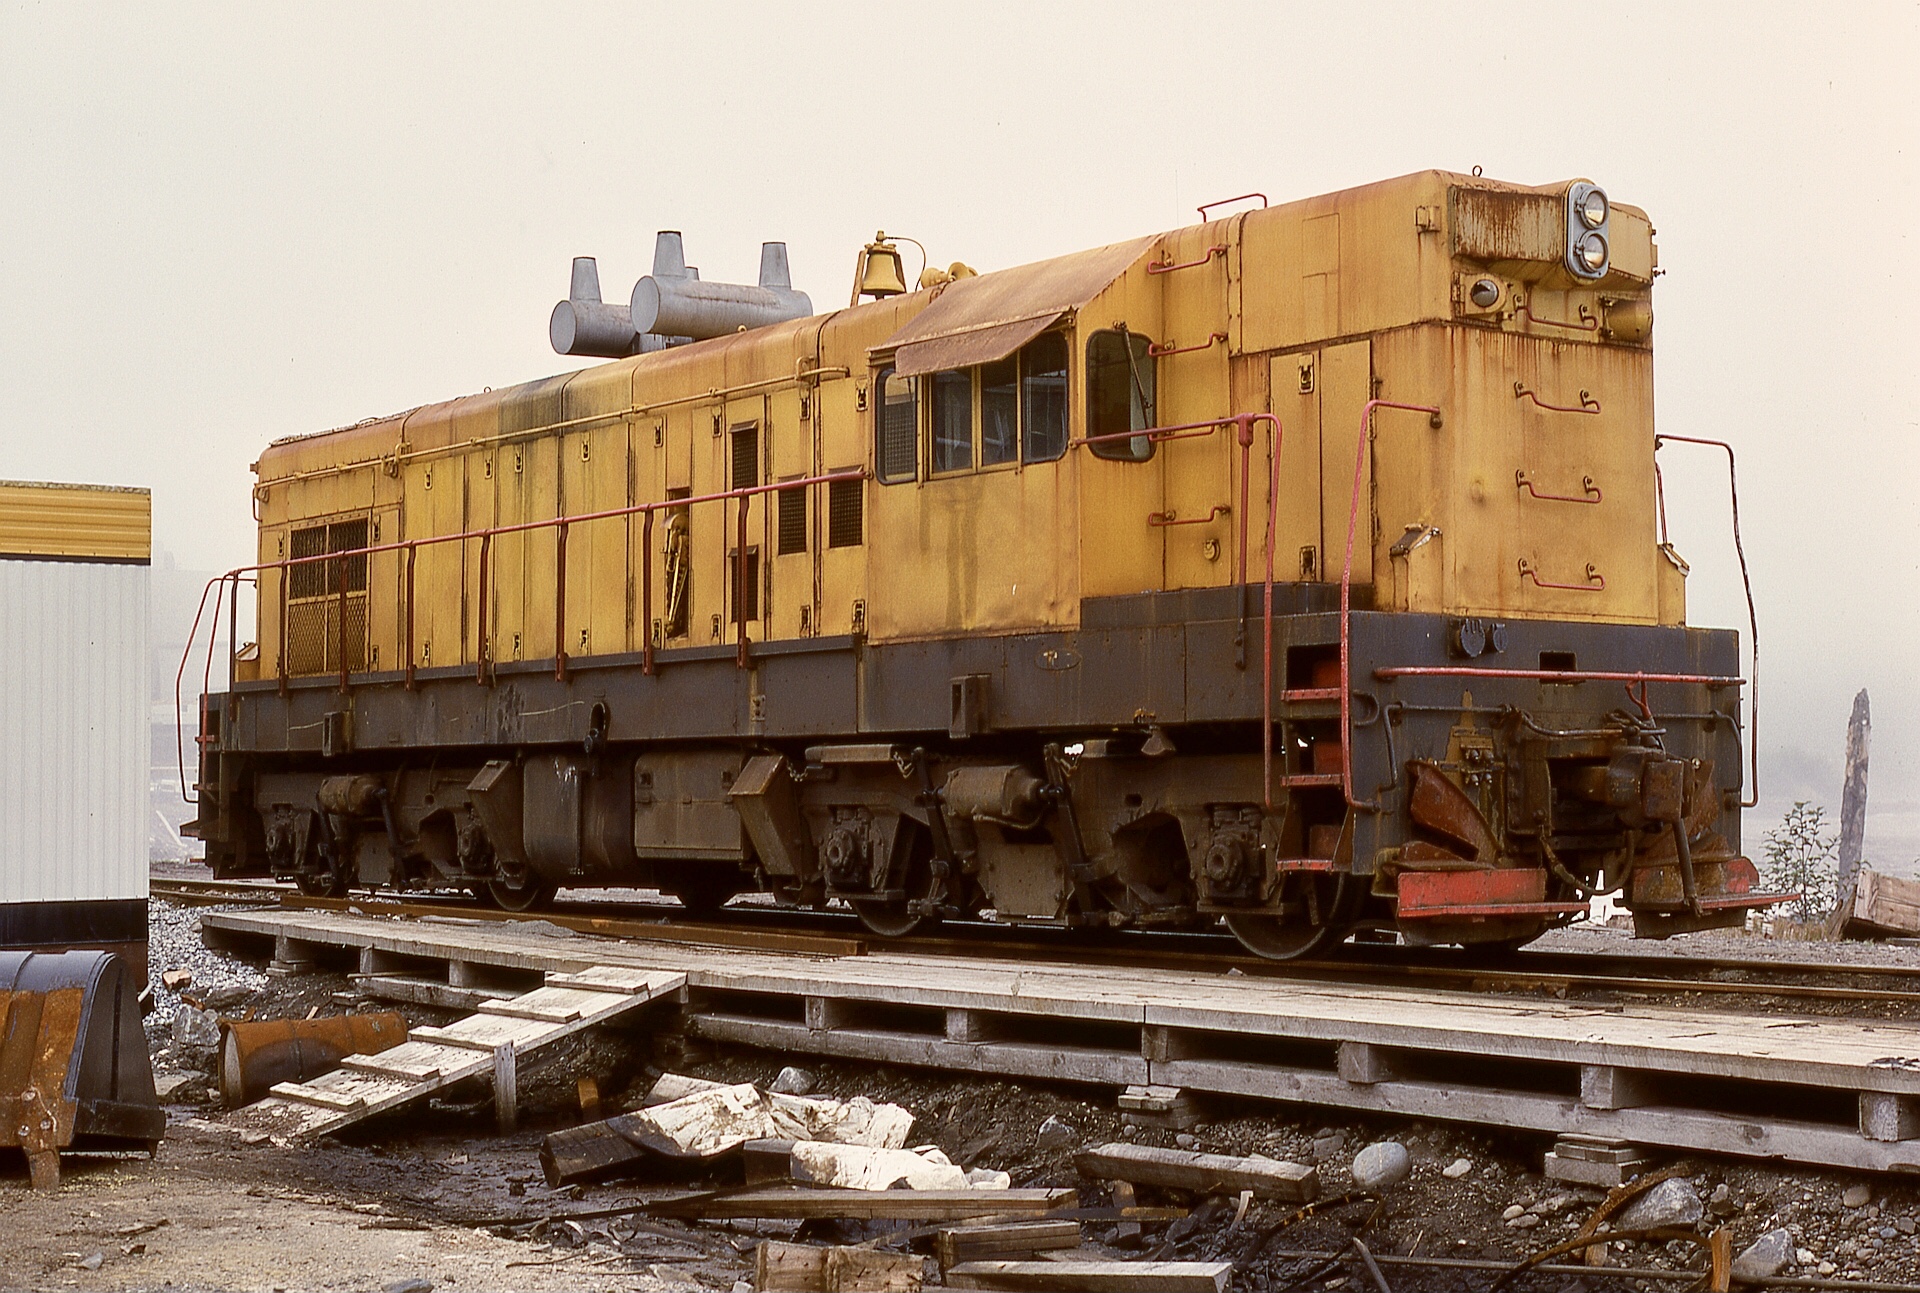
[
  {"x": 520, "y": 893},
  {"x": 1287, "y": 938},
  {"x": 325, "y": 884},
  {"x": 896, "y": 919}
]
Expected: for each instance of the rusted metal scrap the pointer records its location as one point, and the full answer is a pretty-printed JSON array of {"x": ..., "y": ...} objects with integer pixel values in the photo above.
[
  {"x": 255, "y": 1056},
  {"x": 74, "y": 1069}
]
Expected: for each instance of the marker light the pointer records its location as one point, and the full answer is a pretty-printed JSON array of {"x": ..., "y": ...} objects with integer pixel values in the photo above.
[
  {"x": 1593, "y": 209},
  {"x": 1592, "y": 253}
]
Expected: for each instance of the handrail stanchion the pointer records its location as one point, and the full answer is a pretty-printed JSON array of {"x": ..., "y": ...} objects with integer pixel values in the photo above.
[
  {"x": 1753, "y": 619},
  {"x": 740, "y": 589},
  {"x": 412, "y": 549},
  {"x": 560, "y": 602},
  {"x": 285, "y": 654},
  {"x": 646, "y": 592},
  {"x": 480, "y": 620},
  {"x": 341, "y": 564}
]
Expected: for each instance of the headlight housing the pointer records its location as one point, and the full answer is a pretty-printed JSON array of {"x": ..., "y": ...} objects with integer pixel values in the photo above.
[{"x": 1588, "y": 217}]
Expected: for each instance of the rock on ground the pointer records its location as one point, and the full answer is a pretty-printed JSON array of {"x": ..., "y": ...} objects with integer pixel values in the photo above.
[
  {"x": 1381, "y": 1164},
  {"x": 1054, "y": 1135},
  {"x": 1764, "y": 1257},
  {"x": 1673, "y": 1202}
]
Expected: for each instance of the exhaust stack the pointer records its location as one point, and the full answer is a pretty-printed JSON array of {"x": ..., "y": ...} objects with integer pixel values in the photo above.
[{"x": 671, "y": 306}]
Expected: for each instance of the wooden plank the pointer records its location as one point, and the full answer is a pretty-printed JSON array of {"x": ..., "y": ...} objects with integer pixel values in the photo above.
[
  {"x": 798, "y": 1204},
  {"x": 588, "y": 1153},
  {"x": 1184, "y": 1169},
  {"x": 956, "y": 1244},
  {"x": 506, "y": 1088},
  {"x": 780, "y": 1267},
  {"x": 1094, "y": 1277}
]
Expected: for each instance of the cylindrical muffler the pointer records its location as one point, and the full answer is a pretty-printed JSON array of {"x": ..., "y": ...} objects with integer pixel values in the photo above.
[
  {"x": 254, "y": 1056},
  {"x": 689, "y": 307}
]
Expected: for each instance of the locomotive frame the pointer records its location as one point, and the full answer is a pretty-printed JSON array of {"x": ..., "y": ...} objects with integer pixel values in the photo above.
[{"x": 1454, "y": 738}]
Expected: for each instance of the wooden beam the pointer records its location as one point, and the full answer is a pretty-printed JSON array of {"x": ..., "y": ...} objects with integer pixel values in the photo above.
[
  {"x": 1365, "y": 1063},
  {"x": 1889, "y": 1117},
  {"x": 798, "y": 1204},
  {"x": 1183, "y": 1169},
  {"x": 1603, "y": 1086},
  {"x": 1094, "y": 1277},
  {"x": 956, "y": 1244},
  {"x": 506, "y": 1088},
  {"x": 803, "y": 1268}
]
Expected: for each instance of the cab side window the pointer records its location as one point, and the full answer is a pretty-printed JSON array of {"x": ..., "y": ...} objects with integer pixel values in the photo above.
[
  {"x": 952, "y": 422},
  {"x": 896, "y": 427},
  {"x": 1000, "y": 411},
  {"x": 1043, "y": 397},
  {"x": 1120, "y": 395}
]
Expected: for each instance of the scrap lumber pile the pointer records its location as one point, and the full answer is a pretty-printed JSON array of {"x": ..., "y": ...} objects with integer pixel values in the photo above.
[{"x": 846, "y": 1164}]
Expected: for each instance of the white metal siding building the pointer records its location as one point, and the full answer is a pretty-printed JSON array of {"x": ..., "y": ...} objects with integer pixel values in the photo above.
[{"x": 73, "y": 716}]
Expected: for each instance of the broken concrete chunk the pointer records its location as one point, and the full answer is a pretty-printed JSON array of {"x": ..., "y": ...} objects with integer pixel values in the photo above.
[
  {"x": 175, "y": 980},
  {"x": 860, "y": 1167},
  {"x": 1764, "y": 1257},
  {"x": 1673, "y": 1202},
  {"x": 983, "y": 1178},
  {"x": 700, "y": 1125},
  {"x": 674, "y": 1086},
  {"x": 195, "y": 1028},
  {"x": 858, "y": 1121}
]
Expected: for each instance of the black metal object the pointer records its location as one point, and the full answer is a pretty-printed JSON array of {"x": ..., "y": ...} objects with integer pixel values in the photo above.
[{"x": 74, "y": 1069}]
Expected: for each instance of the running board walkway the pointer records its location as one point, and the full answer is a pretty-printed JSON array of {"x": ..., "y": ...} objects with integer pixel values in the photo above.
[
  {"x": 490, "y": 1041},
  {"x": 1834, "y": 1092}
]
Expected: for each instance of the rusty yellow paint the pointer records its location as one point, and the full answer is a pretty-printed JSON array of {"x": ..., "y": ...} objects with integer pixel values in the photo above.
[
  {"x": 1308, "y": 310},
  {"x": 103, "y": 522}
]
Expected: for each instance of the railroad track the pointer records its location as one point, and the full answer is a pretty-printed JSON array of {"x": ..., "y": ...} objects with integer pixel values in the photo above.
[{"x": 1557, "y": 973}]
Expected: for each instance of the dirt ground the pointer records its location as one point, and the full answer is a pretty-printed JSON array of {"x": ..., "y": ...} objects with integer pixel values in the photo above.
[{"x": 436, "y": 1197}]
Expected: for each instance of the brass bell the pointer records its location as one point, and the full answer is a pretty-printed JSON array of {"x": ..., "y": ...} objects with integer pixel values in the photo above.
[{"x": 881, "y": 272}]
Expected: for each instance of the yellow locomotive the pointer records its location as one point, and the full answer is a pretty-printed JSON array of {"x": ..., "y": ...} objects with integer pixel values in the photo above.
[{"x": 1300, "y": 569}]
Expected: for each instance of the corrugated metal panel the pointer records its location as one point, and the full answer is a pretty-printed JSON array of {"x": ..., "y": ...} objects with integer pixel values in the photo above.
[
  {"x": 73, "y": 731},
  {"x": 103, "y": 521}
]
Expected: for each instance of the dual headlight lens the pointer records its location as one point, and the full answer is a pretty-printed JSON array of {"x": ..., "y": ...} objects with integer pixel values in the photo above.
[{"x": 1588, "y": 216}]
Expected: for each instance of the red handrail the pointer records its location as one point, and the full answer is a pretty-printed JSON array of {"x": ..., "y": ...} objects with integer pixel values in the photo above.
[
  {"x": 1746, "y": 582},
  {"x": 486, "y": 536}
]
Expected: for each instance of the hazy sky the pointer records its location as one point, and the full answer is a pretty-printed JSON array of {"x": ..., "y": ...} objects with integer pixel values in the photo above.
[{"x": 223, "y": 225}]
